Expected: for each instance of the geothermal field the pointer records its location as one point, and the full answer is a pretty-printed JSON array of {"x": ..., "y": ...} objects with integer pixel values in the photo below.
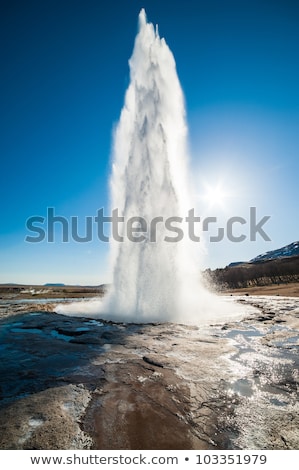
[
  {"x": 75, "y": 382},
  {"x": 156, "y": 360}
]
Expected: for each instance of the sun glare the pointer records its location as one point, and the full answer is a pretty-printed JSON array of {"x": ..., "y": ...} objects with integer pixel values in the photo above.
[{"x": 215, "y": 195}]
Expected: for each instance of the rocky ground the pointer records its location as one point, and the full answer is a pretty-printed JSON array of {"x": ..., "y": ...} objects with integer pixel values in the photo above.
[{"x": 81, "y": 383}]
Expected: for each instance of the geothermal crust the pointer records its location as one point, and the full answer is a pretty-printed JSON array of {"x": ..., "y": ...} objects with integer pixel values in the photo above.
[{"x": 81, "y": 383}]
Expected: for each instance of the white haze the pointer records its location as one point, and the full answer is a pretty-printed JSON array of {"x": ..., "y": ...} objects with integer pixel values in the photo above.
[{"x": 160, "y": 281}]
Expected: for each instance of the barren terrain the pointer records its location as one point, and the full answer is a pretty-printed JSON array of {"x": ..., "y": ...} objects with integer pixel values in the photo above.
[{"x": 82, "y": 383}]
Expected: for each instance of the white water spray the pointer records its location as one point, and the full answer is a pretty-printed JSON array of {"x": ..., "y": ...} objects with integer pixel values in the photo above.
[{"x": 153, "y": 281}]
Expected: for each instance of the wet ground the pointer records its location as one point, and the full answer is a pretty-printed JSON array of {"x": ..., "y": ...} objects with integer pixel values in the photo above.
[
  {"x": 75, "y": 383},
  {"x": 266, "y": 368}
]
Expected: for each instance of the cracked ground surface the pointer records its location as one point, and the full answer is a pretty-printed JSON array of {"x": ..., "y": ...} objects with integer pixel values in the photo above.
[{"x": 81, "y": 383}]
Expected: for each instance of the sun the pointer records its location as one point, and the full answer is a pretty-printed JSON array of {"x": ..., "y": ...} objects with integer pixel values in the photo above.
[{"x": 215, "y": 195}]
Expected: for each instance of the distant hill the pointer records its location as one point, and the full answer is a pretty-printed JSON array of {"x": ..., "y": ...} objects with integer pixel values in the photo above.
[
  {"x": 54, "y": 285},
  {"x": 279, "y": 266},
  {"x": 284, "y": 252},
  {"x": 10, "y": 284},
  {"x": 236, "y": 263}
]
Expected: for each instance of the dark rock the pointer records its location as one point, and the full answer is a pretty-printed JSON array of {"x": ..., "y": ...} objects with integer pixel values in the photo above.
[{"x": 153, "y": 362}]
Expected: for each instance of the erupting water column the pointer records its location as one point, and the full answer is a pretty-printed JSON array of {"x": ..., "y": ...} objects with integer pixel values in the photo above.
[{"x": 153, "y": 280}]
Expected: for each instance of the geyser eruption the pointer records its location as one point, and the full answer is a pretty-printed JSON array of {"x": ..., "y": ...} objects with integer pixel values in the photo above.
[
  {"x": 155, "y": 270},
  {"x": 156, "y": 277}
]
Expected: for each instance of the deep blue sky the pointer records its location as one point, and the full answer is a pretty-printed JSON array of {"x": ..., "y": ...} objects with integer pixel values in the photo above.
[{"x": 64, "y": 72}]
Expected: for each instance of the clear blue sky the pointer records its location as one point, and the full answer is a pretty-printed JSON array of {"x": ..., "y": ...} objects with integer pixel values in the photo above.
[{"x": 64, "y": 72}]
